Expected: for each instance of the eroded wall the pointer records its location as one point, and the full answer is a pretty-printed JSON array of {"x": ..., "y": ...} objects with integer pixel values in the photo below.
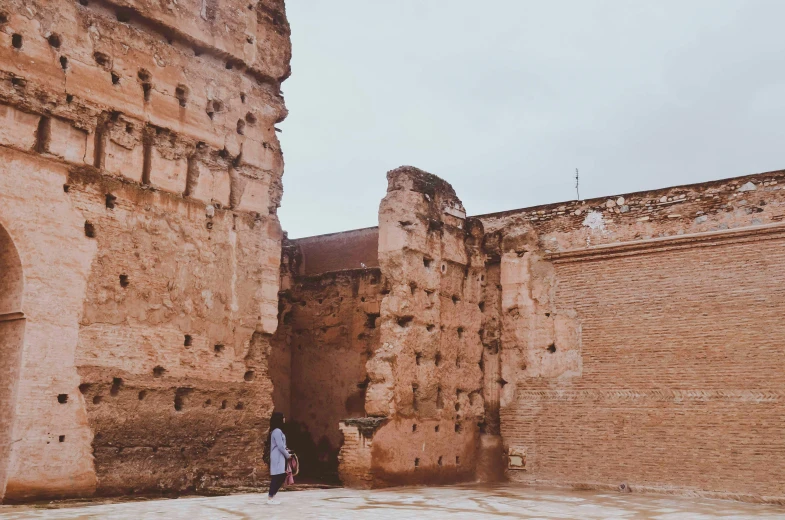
[
  {"x": 333, "y": 320},
  {"x": 590, "y": 344},
  {"x": 648, "y": 352},
  {"x": 139, "y": 181},
  {"x": 425, "y": 379}
]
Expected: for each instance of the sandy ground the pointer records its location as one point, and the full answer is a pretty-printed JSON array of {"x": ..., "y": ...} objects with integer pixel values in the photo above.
[{"x": 453, "y": 502}]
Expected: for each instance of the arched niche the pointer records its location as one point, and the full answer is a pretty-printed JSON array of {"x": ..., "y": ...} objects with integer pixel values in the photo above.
[{"x": 12, "y": 329}]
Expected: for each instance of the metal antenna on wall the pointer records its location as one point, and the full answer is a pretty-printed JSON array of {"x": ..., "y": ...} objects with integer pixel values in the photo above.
[{"x": 577, "y": 191}]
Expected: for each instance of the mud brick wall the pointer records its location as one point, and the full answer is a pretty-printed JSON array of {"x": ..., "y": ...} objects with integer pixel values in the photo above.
[
  {"x": 140, "y": 176},
  {"x": 339, "y": 251},
  {"x": 330, "y": 322},
  {"x": 641, "y": 339},
  {"x": 425, "y": 379}
]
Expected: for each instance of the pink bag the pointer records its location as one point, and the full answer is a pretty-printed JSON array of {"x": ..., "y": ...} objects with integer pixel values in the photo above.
[{"x": 292, "y": 469}]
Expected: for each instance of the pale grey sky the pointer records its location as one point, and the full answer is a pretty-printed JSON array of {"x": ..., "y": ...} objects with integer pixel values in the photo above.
[{"x": 505, "y": 98}]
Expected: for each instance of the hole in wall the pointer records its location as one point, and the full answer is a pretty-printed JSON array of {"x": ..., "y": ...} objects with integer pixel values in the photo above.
[
  {"x": 436, "y": 428},
  {"x": 412, "y": 287},
  {"x": 83, "y": 2},
  {"x": 552, "y": 348},
  {"x": 54, "y": 40},
  {"x": 458, "y": 428},
  {"x": 18, "y": 82},
  {"x": 115, "y": 78},
  {"x": 439, "y": 462},
  {"x": 64, "y": 66},
  {"x": 124, "y": 282},
  {"x": 123, "y": 15},
  {"x": 144, "y": 75},
  {"x": 414, "y": 428},
  {"x": 188, "y": 341},
  {"x": 249, "y": 375},
  {"x": 110, "y": 200},
  {"x": 97, "y": 399},
  {"x": 455, "y": 299},
  {"x": 370, "y": 319},
  {"x": 218, "y": 348},
  {"x": 415, "y": 403},
  {"x": 481, "y": 305},
  {"x": 146, "y": 90},
  {"x": 547, "y": 314},
  {"x": 43, "y": 135},
  {"x": 68, "y": 97},
  {"x": 417, "y": 358},
  {"x": 242, "y": 97},
  {"x": 239, "y": 406},
  {"x": 457, "y": 461},
  {"x": 66, "y": 188},
  {"x": 427, "y": 262},
  {"x": 404, "y": 321},
  {"x": 3, "y": 18},
  {"x": 142, "y": 394},
  {"x": 62, "y": 398},
  {"x": 61, "y": 438},
  {"x": 444, "y": 268},
  {"x": 223, "y": 405},
  {"x": 16, "y": 40},
  {"x": 250, "y": 118},
  {"x": 180, "y": 397},
  {"x": 89, "y": 229},
  {"x": 460, "y": 332},
  {"x": 158, "y": 371},
  {"x": 102, "y": 59},
  {"x": 117, "y": 384},
  {"x": 181, "y": 93},
  {"x": 84, "y": 387},
  {"x": 430, "y": 327},
  {"x": 417, "y": 463},
  {"x": 439, "y": 398},
  {"x": 438, "y": 359}
]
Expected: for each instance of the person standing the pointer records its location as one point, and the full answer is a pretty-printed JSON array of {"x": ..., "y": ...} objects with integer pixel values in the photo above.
[{"x": 279, "y": 454}]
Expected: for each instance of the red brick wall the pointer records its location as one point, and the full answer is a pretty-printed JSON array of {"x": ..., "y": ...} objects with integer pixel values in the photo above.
[
  {"x": 339, "y": 251},
  {"x": 681, "y": 384}
]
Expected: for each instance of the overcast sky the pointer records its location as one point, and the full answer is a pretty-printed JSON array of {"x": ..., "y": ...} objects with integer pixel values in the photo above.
[{"x": 505, "y": 98}]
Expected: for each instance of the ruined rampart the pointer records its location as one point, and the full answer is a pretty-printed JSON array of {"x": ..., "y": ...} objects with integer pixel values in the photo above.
[
  {"x": 140, "y": 175},
  {"x": 627, "y": 340}
]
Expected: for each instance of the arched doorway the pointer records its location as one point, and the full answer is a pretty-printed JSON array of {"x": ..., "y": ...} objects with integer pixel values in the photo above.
[{"x": 12, "y": 328}]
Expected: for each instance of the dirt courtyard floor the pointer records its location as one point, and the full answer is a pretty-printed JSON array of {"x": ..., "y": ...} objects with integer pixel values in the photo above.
[{"x": 453, "y": 502}]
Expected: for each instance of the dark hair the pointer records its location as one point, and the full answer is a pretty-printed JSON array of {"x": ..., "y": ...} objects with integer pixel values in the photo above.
[{"x": 276, "y": 422}]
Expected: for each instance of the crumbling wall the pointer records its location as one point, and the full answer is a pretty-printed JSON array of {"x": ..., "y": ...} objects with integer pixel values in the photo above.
[
  {"x": 140, "y": 180},
  {"x": 632, "y": 326},
  {"x": 425, "y": 378},
  {"x": 333, "y": 323}
]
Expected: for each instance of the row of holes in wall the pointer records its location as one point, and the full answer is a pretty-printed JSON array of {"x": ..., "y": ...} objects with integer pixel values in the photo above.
[
  {"x": 179, "y": 398},
  {"x": 182, "y": 92},
  {"x": 439, "y": 462},
  {"x": 439, "y": 401},
  {"x": 458, "y": 428}
]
